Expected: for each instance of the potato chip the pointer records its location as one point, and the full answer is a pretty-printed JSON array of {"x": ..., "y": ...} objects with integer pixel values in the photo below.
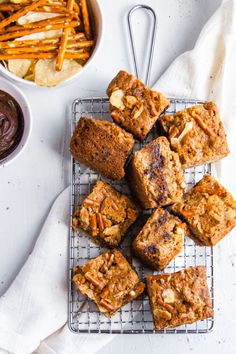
[
  {"x": 38, "y": 16},
  {"x": 19, "y": 67},
  {"x": 46, "y": 74},
  {"x": 41, "y": 35},
  {"x": 33, "y": 16}
]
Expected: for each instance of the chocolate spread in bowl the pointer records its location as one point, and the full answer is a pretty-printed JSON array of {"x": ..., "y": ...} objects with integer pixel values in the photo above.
[{"x": 11, "y": 124}]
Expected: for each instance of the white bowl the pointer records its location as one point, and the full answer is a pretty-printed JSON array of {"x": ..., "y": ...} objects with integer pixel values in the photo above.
[
  {"x": 97, "y": 19},
  {"x": 8, "y": 87}
]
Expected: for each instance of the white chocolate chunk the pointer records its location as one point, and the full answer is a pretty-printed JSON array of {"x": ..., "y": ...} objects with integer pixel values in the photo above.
[
  {"x": 168, "y": 296},
  {"x": 116, "y": 99},
  {"x": 180, "y": 231},
  {"x": 230, "y": 214}
]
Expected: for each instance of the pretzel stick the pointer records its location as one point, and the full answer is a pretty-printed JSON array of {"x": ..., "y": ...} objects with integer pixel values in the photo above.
[
  {"x": 41, "y": 23},
  {"x": 22, "y": 2},
  {"x": 52, "y": 9},
  {"x": 87, "y": 27},
  {"x": 29, "y": 42},
  {"x": 47, "y": 48},
  {"x": 80, "y": 45},
  {"x": 77, "y": 55},
  {"x": 29, "y": 77},
  {"x": 28, "y": 2},
  {"x": 10, "y": 7},
  {"x": 17, "y": 34},
  {"x": 35, "y": 49},
  {"x": 56, "y": 3},
  {"x": 57, "y": 10},
  {"x": 21, "y": 12},
  {"x": 49, "y": 9},
  {"x": 76, "y": 7},
  {"x": 14, "y": 7},
  {"x": 31, "y": 71},
  {"x": 45, "y": 55},
  {"x": 64, "y": 38},
  {"x": 72, "y": 31},
  {"x": 60, "y": 10}
]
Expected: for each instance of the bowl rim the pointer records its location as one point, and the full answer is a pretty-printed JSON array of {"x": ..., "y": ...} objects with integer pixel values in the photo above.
[
  {"x": 26, "y": 83},
  {"x": 13, "y": 90}
]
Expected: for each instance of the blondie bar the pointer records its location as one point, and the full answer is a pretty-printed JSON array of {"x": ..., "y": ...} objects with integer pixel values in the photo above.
[
  {"x": 101, "y": 145},
  {"x": 109, "y": 280},
  {"x": 106, "y": 214},
  {"x": 179, "y": 298},
  {"x": 209, "y": 210},
  {"x": 155, "y": 174},
  {"x": 160, "y": 240},
  {"x": 134, "y": 106},
  {"x": 196, "y": 134}
]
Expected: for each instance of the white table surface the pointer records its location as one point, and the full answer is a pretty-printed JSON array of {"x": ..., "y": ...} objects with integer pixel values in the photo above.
[{"x": 29, "y": 186}]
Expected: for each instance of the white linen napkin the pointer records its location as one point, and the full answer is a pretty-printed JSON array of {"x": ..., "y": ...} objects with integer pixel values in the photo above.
[
  {"x": 33, "y": 312},
  {"x": 208, "y": 72},
  {"x": 35, "y": 306}
]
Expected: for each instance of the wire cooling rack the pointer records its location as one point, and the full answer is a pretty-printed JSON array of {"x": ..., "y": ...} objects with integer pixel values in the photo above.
[{"x": 135, "y": 317}]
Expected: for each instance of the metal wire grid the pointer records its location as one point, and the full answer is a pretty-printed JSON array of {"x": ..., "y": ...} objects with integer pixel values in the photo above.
[{"x": 135, "y": 317}]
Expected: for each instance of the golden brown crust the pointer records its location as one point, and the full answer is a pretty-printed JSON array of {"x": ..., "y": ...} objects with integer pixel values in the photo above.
[
  {"x": 109, "y": 280},
  {"x": 139, "y": 108},
  {"x": 196, "y": 134},
  {"x": 106, "y": 215},
  {"x": 179, "y": 298},
  {"x": 101, "y": 145},
  {"x": 160, "y": 240},
  {"x": 209, "y": 210},
  {"x": 156, "y": 175}
]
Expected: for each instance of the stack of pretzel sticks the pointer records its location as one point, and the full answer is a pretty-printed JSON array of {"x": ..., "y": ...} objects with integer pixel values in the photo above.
[{"x": 74, "y": 42}]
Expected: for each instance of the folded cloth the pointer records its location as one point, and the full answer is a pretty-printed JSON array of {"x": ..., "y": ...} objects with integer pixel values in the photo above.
[
  {"x": 33, "y": 312},
  {"x": 35, "y": 306},
  {"x": 208, "y": 72}
]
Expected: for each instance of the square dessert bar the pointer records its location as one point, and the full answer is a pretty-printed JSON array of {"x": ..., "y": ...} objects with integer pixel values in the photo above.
[
  {"x": 209, "y": 210},
  {"x": 160, "y": 240},
  {"x": 109, "y": 280},
  {"x": 196, "y": 134},
  {"x": 156, "y": 175},
  {"x": 101, "y": 145},
  {"x": 134, "y": 106},
  {"x": 106, "y": 214},
  {"x": 179, "y": 298}
]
